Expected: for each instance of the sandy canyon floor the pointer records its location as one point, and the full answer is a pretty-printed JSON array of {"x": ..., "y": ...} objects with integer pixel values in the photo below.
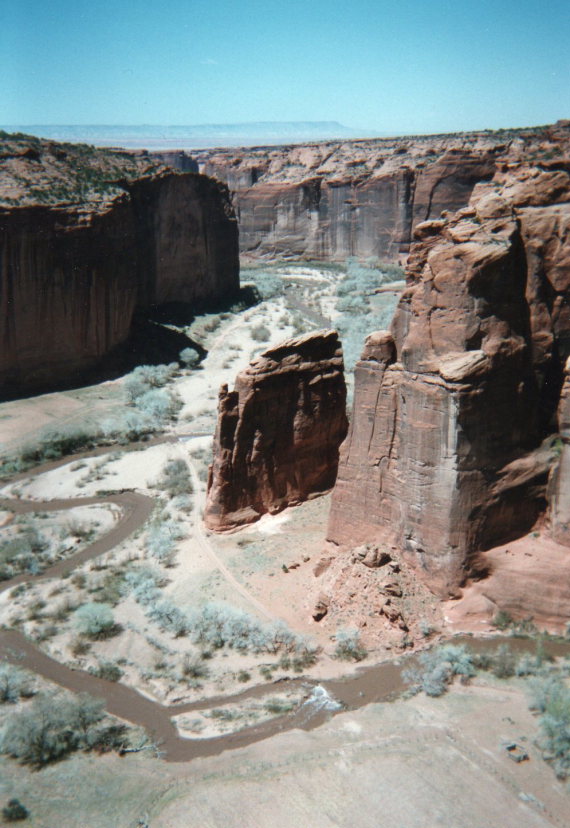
[{"x": 415, "y": 763}]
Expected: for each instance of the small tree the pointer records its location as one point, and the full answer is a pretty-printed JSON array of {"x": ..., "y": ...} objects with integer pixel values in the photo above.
[
  {"x": 94, "y": 620},
  {"x": 50, "y": 728}
]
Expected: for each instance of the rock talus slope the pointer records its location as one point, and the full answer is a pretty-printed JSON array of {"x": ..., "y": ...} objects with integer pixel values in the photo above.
[
  {"x": 278, "y": 432},
  {"x": 446, "y": 454}
]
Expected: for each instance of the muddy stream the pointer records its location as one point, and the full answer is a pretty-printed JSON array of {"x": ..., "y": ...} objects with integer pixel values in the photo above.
[{"x": 377, "y": 683}]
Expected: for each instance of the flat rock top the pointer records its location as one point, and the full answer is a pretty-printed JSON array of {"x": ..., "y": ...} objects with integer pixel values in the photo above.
[
  {"x": 370, "y": 158},
  {"x": 36, "y": 172},
  {"x": 314, "y": 347}
]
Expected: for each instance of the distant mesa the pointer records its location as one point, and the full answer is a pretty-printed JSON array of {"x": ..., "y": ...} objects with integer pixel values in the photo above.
[{"x": 193, "y": 136}]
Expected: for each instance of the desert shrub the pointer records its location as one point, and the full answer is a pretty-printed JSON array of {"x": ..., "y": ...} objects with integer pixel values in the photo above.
[
  {"x": 169, "y": 617},
  {"x": 129, "y": 426},
  {"x": 503, "y": 662},
  {"x": 175, "y": 478},
  {"x": 260, "y": 333},
  {"x": 143, "y": 583},
  {"x": 502, "y": 620},
  {"x": 189, "y": 357},
  {"x": 437, "y": 668},
  {"x": 219, "y": 625},
  {"x": 162, "y": 537},
  {"x": 108, "y": 670},
  {"x": 193, "y": 667},
  {"x": 94, "y": 620},
  {"x": 159, "y": 404},
  {"x": 50, "y": 728},
  {"x": 348, "y": 646},
  {"x": 552, "y": 698},
  {"x": 59, "y": 443},
  {"x": 145, "y": 377},
  {"x": 14, "y": 811},
  {"x": 268, "y": 285},
  {"x": 14, "y": 683}
]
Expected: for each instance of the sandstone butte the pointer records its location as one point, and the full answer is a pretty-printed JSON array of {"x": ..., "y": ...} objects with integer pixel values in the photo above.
[
  {"x": 364, "y": 198},
  {"x": 278, "y": 433},
  {"x": 90, "y": 237},
  {"x": 451, "y": 440}
]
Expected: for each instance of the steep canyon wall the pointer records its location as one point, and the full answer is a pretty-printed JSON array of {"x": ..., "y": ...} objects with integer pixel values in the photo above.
[
  {"x": 354, "y": 198},
  {"x": 78, "y": 256},
  {"x": 446, "y": 454}
]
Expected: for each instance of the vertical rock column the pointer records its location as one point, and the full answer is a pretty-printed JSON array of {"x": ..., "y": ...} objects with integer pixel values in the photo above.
[{"x": 278, "y": 432}]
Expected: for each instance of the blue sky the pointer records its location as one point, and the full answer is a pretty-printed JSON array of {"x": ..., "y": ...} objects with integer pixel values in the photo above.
[{"x": 398, "y": 67}]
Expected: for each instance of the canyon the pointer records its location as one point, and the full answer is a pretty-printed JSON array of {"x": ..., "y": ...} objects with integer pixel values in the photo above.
[{"x": 88, "y": 240}]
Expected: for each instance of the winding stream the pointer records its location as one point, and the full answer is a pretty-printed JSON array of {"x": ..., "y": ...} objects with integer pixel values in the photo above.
[{"x": 377, "y": 683}]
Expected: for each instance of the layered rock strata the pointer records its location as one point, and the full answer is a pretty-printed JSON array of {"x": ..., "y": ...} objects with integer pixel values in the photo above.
[
  {"x": 79, "y": 255},
  {"x": 361, "y": 198},
  {"x": 445, "y": 456},
  {"x": 278, "y": 432}
]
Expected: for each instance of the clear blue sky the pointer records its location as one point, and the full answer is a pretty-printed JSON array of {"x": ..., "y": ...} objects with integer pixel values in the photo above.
[{"x": 399, "y": 66}]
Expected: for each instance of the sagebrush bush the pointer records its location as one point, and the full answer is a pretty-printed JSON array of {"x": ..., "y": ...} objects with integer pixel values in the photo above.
[
  {"x": 437, "y": 668},
  {"x": 94, "y": 620},
  {"x": 175, "y": 478},
  {"x": 260, "y": 333},
  {"x": 14, "y": 683},
  {"x": 189, "y": 357},
  {"x": 551, "y": 697},
  {"x": 348, "y": 646}
]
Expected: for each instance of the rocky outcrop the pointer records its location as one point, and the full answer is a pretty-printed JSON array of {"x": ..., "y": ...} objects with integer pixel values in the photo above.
[
  {"x": 278, "y": 432},
  {"x": 445, "y": 456},
  {"x": 559, "y": 488},
  {"x": 78, "y": 259},
  {"x": 361, "y": 198}
]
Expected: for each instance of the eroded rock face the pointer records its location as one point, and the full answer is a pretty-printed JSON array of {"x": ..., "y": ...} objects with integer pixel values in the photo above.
[
  {"x": 278, "y": 432},
  {"x": 77, "y": 260},
  {"x": 333, "y": 200},
  {"x": 444, "y": 457},
  {"x": 559, "y": 488}
]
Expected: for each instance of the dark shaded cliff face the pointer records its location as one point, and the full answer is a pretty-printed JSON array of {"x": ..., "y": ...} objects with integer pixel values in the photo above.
[
  {"x": 278, "y": 432},
  {"x": 356, "y": 198},
  {"x": 74, "y": 269},
  {"x": 445, "y": 456}
]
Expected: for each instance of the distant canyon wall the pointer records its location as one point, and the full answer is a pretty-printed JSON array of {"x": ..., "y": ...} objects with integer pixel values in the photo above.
[
  {"x": 449, "y": 452},
  {"x": 73, "y": 275},
  {"x": 331, "y": 200}
]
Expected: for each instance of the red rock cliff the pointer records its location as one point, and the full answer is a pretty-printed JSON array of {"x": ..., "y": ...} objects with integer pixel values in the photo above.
[
  {"x": 360, "y": 198},
  {"x": 278, "y": 432},
  {"x": 87, "y": 237},
  {"x": 444, "y": 454}
]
